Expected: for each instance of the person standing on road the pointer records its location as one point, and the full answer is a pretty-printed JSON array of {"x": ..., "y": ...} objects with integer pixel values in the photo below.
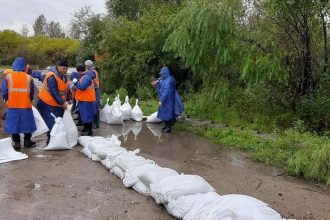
[
  {"x": 166, "y": 96},
  {"x": 52, "y": 95},
  {"x": 18, "y": 90},
  {"x": 85, "y": 95},
  {"x": 96, "y": 120},
  {"x": 75, "y": 75}
]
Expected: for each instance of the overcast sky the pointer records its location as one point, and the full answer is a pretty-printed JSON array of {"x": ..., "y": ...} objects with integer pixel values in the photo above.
[{"x": 15, "y": 13}]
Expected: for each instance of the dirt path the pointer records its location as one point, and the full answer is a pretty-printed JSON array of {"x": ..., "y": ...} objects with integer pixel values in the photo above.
[{"x": 67, "y": 185}]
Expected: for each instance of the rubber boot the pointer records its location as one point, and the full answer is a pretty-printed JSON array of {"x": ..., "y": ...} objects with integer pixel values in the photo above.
[{"x": 17, "y": 146}]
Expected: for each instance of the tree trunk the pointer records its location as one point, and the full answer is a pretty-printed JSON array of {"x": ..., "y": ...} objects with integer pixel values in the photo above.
[{"x": 325, "y": 40}]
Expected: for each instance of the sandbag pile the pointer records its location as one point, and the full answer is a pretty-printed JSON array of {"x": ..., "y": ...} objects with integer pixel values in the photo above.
[
  {"x": 117, "y": 113},
  {"x": 187, "y": 197}
]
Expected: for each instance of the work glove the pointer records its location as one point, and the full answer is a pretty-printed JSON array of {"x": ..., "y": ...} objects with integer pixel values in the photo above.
[{"x": 74, "y": 80}]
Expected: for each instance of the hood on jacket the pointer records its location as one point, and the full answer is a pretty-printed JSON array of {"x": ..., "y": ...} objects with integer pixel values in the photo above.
[
  {"x": 19, "y": 64},
  {"x": 165, "y": 72}
]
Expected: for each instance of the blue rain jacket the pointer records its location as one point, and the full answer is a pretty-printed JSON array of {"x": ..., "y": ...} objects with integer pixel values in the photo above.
[
  {"x": 86, "y": 109},
  {"x": 18, "y": 120},
  {"x": 37, "y": 74},
  {"x": 166, "y": 93},
  {"x": 178, "y": 108}
]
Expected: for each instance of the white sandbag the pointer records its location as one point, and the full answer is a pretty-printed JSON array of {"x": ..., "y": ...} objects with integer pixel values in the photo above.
[
  {"x": 58, "y": 139},
  {"x": 103, "y": 147},
  {"x": 40, "y": 123},
  {"x": 87, "y": 152},
  {"x": 126, "y": 109},
  {"x": 115, "y": 152},
  {"x": 141, "y": 188},
  {"x": 118, "y": 172},
  {"x": 173, "y": 187},
  {"x": 132, "y": 162},
  {"x": 123, "y": 157},
  {"x": 105, "y": 112},
  {"x": 153, "y": 118},
  {"x": 132, "y": 174},
  {"x": 181, "y": 206},
  {"x": 239, "y": 207},
  {"x": 7, "y": 152},
  {"x": 137, "y": 114},
  {"x": 156, "y": 174},
  {"x": 84, "y": 140},
  {"x": 117, "y": 100},
  {"x": 95, "y": 158},
  {"x": 116, "y": 116},
  {"x": 104, "y": 162},
  {"x": 71, "y": 128}
]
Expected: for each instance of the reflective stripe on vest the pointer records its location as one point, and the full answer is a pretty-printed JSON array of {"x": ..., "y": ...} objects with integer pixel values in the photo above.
[
  {"x": 45, "y": 95},
  {"x": 87, "y": 95},
  {"x": 18, "y": 84}
]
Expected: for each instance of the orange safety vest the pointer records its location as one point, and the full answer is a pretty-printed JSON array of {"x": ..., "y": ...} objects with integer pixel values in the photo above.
[
  {"x": 87, "y": 95},
  {"x": 97, "y": 79},
  {"x": 18, "y": 84},
  {"x": 45, "y": 95}
]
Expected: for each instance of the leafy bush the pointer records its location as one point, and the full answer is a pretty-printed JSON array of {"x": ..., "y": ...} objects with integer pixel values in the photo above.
[{"x": 315, "y": 112}]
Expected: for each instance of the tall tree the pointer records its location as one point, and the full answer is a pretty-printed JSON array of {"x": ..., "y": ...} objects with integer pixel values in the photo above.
[
  {"x": 54, "y": 30},
  {"x": 79, "y": 23},
  {"x": 40, "y": 26},
  {"x": 25, "y": 30}
]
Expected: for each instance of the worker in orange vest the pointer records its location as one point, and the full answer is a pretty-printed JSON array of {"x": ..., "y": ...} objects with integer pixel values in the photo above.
[
  {"x": 96, "y": 120},
  {"x": 18, "y": 90},
  {"x": 85, "y": 95},
  {"x": 52, "y": 95}
]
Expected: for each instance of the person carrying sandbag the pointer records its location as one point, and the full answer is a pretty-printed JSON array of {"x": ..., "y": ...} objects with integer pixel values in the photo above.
[
  {"x": 18, "y": 90},
  {"x": 85, "y": 95},
  {"x": 52, "y": 95}
]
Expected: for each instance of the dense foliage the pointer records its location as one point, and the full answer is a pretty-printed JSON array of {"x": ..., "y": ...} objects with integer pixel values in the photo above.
[{"x": 39, "y": 50}]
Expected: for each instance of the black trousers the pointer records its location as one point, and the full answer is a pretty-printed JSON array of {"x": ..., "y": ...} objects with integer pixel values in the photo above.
[
  {"x": 88, "y": 127},
  {"x": 170, "y": 123},
  {"x": 17, "y": 137}
]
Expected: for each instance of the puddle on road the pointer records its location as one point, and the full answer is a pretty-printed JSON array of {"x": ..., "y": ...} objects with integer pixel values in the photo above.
[{"x": 177, "y": 146}]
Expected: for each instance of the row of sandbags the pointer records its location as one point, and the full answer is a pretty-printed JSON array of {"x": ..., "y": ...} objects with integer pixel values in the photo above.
[
  {"x": 117, "y": 113},
  {"x": 187, "y": 197}
]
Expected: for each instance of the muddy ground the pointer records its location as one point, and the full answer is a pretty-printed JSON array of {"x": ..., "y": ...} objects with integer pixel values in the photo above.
[{"x": 67, "y": 185}]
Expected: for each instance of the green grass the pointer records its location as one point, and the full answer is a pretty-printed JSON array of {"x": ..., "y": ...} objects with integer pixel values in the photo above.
[
  {"x": 300, "y": 154},
  {"x": 5, "y": 67}
]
